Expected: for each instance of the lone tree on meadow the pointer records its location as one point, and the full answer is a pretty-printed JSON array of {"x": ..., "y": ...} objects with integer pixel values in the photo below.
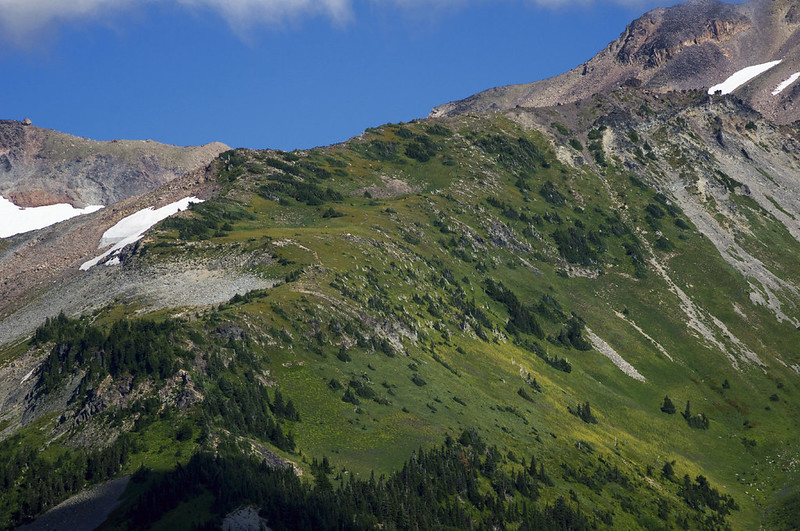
[{"x": 668, "y": 407}]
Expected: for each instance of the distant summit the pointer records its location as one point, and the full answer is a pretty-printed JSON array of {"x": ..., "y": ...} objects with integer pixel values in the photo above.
[
  {"x": 696, "y": 45},
  {"x": 41, "y": 167}
]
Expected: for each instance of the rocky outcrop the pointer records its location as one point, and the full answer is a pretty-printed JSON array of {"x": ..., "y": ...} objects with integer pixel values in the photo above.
[
  {"x": 41, "y": 167},
  {"x": 690, "y": 46},
  {"x": 659, "y": 36}
]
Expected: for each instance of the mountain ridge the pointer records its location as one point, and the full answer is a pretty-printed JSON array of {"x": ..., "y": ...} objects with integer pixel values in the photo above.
[
  {"x": 689, "y": 46},
  {"x": 42, "y": 167},
  {"x": 578, "y": 315}
]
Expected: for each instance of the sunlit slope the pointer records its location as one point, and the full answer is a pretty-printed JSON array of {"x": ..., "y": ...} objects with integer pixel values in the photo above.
[{"x": 545, "y": 278}]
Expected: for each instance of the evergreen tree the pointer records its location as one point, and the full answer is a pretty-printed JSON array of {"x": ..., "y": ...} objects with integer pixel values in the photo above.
[{"x": 668, "y": 407}]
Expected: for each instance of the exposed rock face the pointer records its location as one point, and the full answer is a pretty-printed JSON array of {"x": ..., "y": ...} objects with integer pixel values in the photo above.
[
  {"x": 659, "y": 36},
  {"x": 690, "y": 46},
  {"x": 41, "y": 167}
]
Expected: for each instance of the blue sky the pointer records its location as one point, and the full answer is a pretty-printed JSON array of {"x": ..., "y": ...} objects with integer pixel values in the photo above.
[{"x": 278, "y": 73}]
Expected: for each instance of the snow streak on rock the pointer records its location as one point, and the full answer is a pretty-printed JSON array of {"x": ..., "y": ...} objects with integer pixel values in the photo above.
[
  {"x": 785, "y": 84},
  {"x": 131, "y": 229},
  {"x": 741, "y": 77},
  {"x": 16, "y": 220}
]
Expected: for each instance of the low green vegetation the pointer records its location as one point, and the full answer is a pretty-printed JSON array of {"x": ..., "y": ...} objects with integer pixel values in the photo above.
[{"x": 438, "y": 350}]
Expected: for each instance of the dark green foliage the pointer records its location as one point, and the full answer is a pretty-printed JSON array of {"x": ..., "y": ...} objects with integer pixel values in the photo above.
[
  {"x": 576, "y": 144},
  {"x": 362, "y": 388},
  {"x": 663, "y": 244},
  {"x": 350, "y": 396},
  {"x": 574, "y": 331},
  {"x": 552, "y": 195},
  {"x": 306, "y": 192},
  {"x": 419, "y": 496},
  {"x": 751, "y": 126},
  {"x": 331, "y": 213},
  {"x": 655, "y": 210},
  {"x": 550, "y": 309},
  {"x": 561, "y": 128},
  {"x": 668, "y": 470},
  {"x": 668, "y": 407},
  {"x": 596, "y": 148},
  {"x": 579, "y": 247},
  {"x": 342, "y": 355},
  {"x": 138, "y": 347},
  {"x": 522, "y": 316},
  {"x": 422, "y": 149},
  {"x": 557, "y": 363},
  {"x": 417, "y": 379},
  {"x": 634, "y": 251},
  {"x": 699, "y": 495},
  {"x": 293, "y": 276},
  {"x": 670, "y": 207},
  {"x": 439, "y": 130},
  {"x": 284, "y": 409},
  {"x": 596, "y": 134},
  {"x": 236, "y": 400},
  {"x": 519, "y": 154},
  {"x": 404, "y": 132},
  {"x": 31, "y": 484},
  {"x": 524, "y": 394},
  {"x": 699, "y": 421},
  {"x": 281, "y": 165},
  {"x": 584, "y": 412},
  {"x": 637, "y": 182},
  {"x": 380, "y": 150},
  {"x": 210, "y": 218},
  {"x": 730, "y": 183},
  {"x": 184, "y": 432},
  {"x": 243, "y": 407}
]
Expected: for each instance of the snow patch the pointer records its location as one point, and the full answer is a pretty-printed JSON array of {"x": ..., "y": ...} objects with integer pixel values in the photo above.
[
  {"x": 785, "y": 84},
  {"x": 27, "y": 376},
  {"x": 605, "y": 349},
  {"x": 741, "y": 77},
  {"x": 132, "y": 228},
  {"x": 16, "y": 220}
]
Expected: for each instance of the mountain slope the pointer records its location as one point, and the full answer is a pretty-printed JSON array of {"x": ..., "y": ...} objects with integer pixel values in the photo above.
[
  {"x": 544, "y": 278},
  {"x": 694, "y": 45},
  {"x": 580, "y": 315}
]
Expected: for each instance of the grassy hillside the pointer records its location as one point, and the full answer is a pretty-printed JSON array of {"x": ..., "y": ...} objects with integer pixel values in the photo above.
[{"x": 503, "y": 292}]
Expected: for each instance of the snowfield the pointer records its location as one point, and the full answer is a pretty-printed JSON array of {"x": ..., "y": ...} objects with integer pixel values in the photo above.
[
  {"x": 16, "y": 220},
  {"x": 132, "y": 228},
  {"x": 741, "y": 77},
  {"x": 780, "y": 88}
]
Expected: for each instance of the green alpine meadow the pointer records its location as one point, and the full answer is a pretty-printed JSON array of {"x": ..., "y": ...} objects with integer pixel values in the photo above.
[{"x": 574, "y": 316}]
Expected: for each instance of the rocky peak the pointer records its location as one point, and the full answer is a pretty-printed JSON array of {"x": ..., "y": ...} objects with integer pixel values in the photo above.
[
  {"x": 690, "y": 46},
  {"x": 660, "y": 35}
]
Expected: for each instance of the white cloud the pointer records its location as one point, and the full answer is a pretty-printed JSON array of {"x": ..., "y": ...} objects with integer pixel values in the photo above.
[
  {"x": 23, "y": 21},
  {"x": 241, "y": 11}
]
